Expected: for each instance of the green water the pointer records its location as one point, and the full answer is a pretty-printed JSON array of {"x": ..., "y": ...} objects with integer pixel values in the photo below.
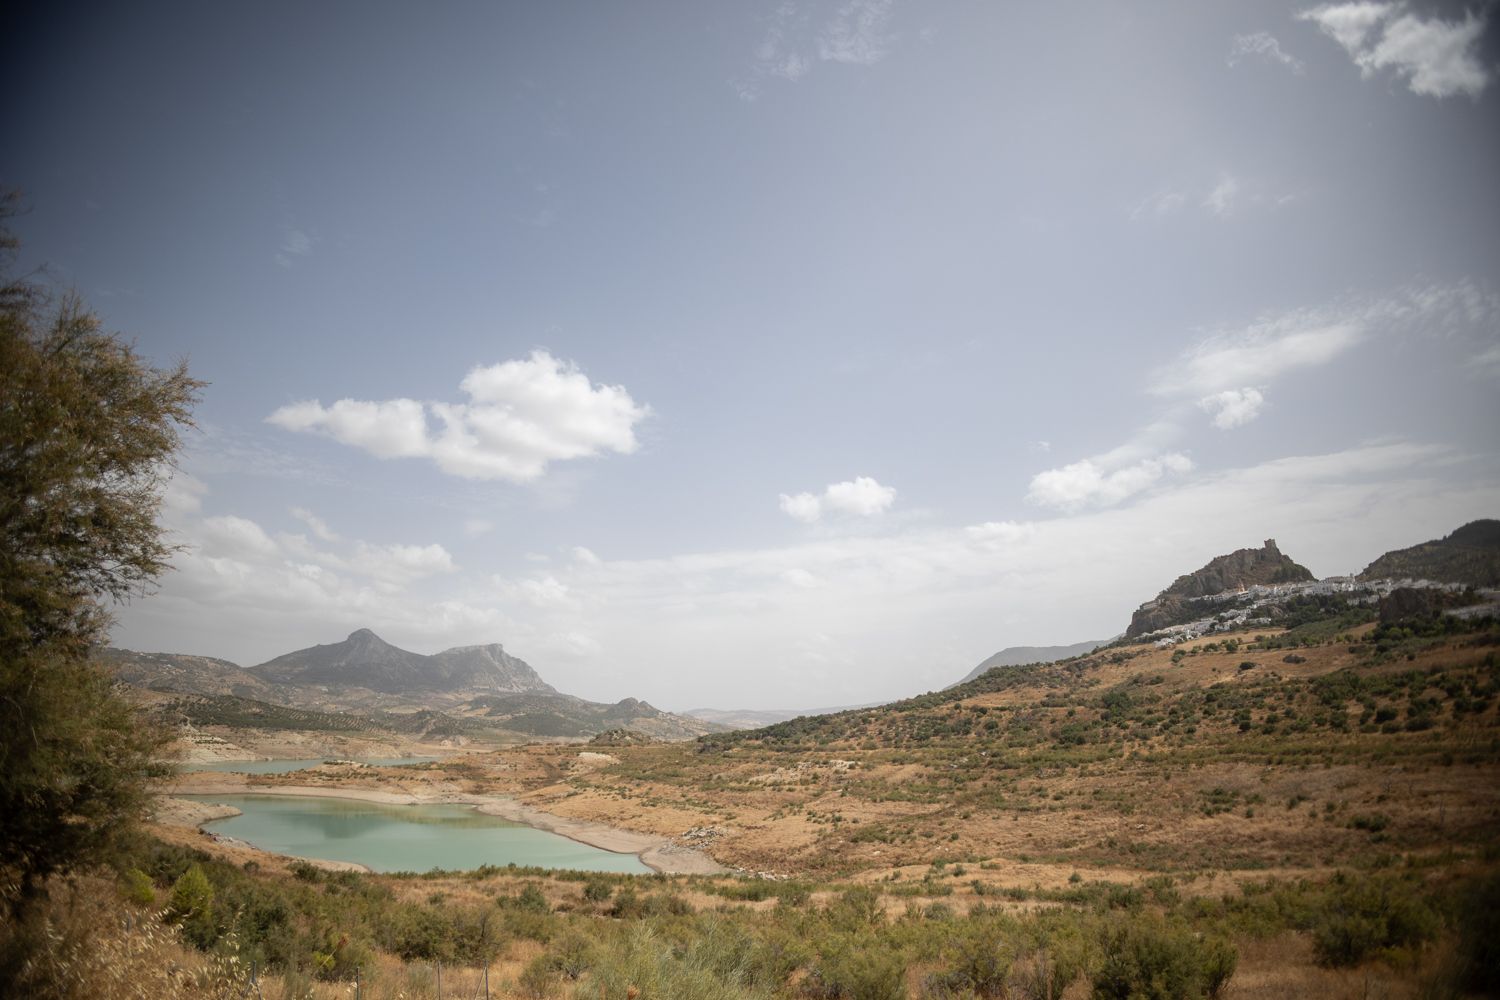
[
  {"x": 387, "y": 838},
  {"x": 283, "y": 766}
]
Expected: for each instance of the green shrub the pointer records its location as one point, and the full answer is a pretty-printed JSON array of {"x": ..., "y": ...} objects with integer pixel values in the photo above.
[
  {"x": 849, "y": 968},
  {"x": 1365, "y": 917},
  {"x": 1145, "y": 958},
  {"x": 136, "y": 887}
]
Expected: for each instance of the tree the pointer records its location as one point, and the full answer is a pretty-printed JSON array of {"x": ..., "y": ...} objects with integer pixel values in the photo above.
[{"x": 87, "y": 434}]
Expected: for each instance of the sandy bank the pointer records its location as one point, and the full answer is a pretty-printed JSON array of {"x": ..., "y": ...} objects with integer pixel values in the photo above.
[{"x": 658, "y": 853}]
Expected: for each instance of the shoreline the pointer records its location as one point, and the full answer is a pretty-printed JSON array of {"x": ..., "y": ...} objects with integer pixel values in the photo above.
[{"x": 660, "y": 854}]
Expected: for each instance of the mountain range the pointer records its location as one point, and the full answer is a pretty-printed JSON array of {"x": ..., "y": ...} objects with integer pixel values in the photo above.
[
  {"x": 366, "y": 660},
  {"x": 465, "y": 689}
]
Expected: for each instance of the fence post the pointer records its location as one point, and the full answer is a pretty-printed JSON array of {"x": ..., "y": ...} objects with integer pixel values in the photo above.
[
  {"x": 486, "y": 982},
  {"x": 440, "y": 979},
  {"x": 358, "y": 985}
]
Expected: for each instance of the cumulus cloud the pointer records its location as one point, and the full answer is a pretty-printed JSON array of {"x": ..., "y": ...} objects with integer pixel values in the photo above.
[
  {"x": 236, "y": 537},
  {"x": 521, "y": 416},
  {"x": 401, "y": 563},
  {"x": 1262, "y": 45},
  {"x": 802, "y": 507},
  {"x": 1090, "y": 483},
  {"x": 1436, "y": 57},
  {"x": 860, "y": 497},
  {"x": 396, "y": 428},
  {"x": 1233, "y": 407}
]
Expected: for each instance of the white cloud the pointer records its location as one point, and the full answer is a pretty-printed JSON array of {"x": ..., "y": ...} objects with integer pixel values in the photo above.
[
  {"x": 315, "y": 524},
  {"x": 476, "y": 526},
  {"x": 236, "y": 537},
  {"x": 1278, "y": 343},
  {"x": 799, "y": 577},
  {"x": 1438, "y": 58},
  {"x": 544, "y": 592},
  {"x": 803, "y": 507},
  {"x": 1220, "y": 201},
  {"x": 858, "y": 33},
  {"x": 1257, "y": 353},
  {"x": 1233, "y": 407},
  {"x": 396, "y": 428},
  {"x": 1263, "y": 45},
  {"x": 521, "y": 416},
  {"x": 860, "y": 497},
  {"x": 584, "y": 557},
  {"x": 1091, "y": 484},
  {"x": 401, "y": 563},
  {"x": 999, "y": 534}
]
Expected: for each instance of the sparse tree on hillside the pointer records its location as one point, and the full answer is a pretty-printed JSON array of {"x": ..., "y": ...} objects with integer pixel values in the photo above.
[{"x": 87, "y": 434}]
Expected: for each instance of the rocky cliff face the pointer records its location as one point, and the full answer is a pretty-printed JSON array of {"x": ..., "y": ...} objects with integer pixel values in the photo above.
[
  {"x": 488, "y": 666},
  {"x": 1241, "y": 568}
]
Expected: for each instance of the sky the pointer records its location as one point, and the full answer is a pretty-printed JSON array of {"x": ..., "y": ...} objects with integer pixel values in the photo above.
[{"x": 772, "y": 355}]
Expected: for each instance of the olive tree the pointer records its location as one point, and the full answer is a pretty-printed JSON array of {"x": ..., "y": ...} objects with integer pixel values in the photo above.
[{"x": 88, "y": 430}]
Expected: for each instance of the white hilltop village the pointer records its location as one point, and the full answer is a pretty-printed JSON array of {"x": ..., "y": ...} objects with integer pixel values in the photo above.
[{"x": 1248, "y": 600}]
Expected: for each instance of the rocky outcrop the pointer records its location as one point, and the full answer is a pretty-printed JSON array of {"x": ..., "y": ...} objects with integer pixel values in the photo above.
[{"x": 1237, "y": 570}]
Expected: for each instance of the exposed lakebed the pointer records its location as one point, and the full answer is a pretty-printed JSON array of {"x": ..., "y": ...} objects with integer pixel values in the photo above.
[
  {"x": 287, "y": 766},
  {"x": 387, "y": 838}
]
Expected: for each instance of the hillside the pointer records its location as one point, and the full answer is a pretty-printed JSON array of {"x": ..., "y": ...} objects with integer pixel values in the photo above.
[
  {"x": 1470, "y": 555},
  {"x": 561, "y": 716},
  {"x": 1239, "y": 569},
  {"x": 187, "y": 674},
  {"x": 750, "y": 718},
  {"x": 1014, "y": 656}
]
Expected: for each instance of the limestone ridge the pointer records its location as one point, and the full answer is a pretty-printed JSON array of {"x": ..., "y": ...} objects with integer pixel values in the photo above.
[
  {"x": 366, "y": 660},
  {"x": 1241, "y": 568}
]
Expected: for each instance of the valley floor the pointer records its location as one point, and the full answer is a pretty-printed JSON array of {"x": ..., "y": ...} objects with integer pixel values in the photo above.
[{"x": 1327, "y": 803}]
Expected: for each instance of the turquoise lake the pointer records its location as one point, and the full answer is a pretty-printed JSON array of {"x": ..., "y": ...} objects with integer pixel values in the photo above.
[
  {"x": 389, "y": 838},
  {"x": 283, "y": 766}
]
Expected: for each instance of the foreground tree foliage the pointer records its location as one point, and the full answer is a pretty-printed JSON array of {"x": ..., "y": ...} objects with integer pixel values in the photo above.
[{"x": 87, "y": 434}]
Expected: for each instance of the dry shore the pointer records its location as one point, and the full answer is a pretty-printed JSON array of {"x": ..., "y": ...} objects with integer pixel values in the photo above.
[{"x": 661, "y": 854}]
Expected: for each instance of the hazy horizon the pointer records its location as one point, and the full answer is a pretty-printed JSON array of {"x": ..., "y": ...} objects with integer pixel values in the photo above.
[{"x": 773, "y": 355}]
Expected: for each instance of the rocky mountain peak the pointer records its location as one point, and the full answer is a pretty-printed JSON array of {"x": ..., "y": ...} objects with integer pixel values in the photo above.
[{"x": 1239, "y": 569}]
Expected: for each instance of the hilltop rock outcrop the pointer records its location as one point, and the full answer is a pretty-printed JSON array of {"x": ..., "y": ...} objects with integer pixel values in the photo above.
[{"x": 1241, "y": 568}]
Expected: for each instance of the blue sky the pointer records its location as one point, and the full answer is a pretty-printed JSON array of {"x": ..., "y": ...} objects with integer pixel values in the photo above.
[{"x": 767, "y": 355}]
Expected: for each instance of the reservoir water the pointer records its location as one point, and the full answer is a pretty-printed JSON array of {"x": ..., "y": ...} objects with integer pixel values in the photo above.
[
  {"x": 389, "y": 838},
  {"x": 283, "y": 766}
]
